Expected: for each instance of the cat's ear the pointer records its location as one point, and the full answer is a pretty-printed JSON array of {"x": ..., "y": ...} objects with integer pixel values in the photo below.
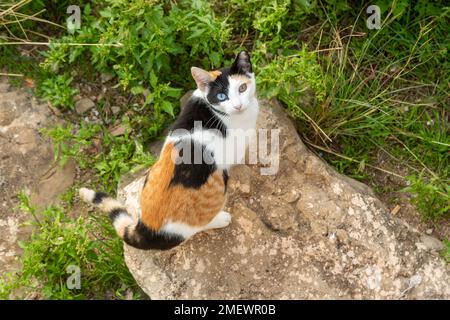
[
  {"x": 201, "y": 77},
  {"x": 241, "y": 64}
]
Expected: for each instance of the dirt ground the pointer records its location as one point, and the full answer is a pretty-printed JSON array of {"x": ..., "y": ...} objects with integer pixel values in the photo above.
[
  {"x": 399, "y": 202},
  {"x": 26, "y": 164}
]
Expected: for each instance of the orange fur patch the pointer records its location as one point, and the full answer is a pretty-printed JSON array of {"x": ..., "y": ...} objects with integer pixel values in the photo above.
[
  {"x": 241, "y": 78},
  {"x": 161, "y": 202},
  {"x": 214, "y": 74}
]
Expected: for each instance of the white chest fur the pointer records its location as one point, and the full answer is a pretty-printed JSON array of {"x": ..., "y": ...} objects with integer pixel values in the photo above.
[
  {"x": 231, "y": 149},
  {"x": 241, "y": 129}
]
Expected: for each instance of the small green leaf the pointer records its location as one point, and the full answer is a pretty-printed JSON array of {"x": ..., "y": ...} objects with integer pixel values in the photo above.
[
  {"x": 153, "y": 79},
  {"x": 137, "y": 90},
  {"x": 167, "y": 107}
]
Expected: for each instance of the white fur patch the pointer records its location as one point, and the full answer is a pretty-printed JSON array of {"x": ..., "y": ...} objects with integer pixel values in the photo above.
[
  {"x": 87, "y": 194},
  {"x": 221, "y": 220},
  {"x": 109, "y": 204},
  {"x": 123, "y": 219},
  {"x": 235, "y": 98},
  {"x": 181, "y": 229}
]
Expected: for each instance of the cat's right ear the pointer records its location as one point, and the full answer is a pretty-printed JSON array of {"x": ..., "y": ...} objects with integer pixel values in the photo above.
[{"x": 201, "y": 77}]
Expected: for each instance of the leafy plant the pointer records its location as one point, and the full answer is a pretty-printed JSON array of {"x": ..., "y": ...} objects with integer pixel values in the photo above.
[
  {"x": 57, "y": 243},
  {"x": 69, "y": 142},
  {"x": 110, "y": 156},
  {"x": 432, "y": 198},
  {"x": 446, "y": 251},
  {"x": 58, "y": 91}
]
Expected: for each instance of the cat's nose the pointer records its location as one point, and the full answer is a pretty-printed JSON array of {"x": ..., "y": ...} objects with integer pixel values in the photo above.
[{"x": 238, "y": 107}]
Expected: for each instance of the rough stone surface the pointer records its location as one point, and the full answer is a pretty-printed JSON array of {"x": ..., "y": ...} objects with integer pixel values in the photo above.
[
  {"x": 306, "y": 232},
  {"x": 26, "y": 164},
  {"x": 105, "y": 77},
  {"x": 83, "y": 105},
  {"x": 115, "y": 109}
]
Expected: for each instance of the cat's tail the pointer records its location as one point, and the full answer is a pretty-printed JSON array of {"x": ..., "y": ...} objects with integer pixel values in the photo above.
[
  {"x": 130, "y": 229},
  {"x": 123, "y": 222}
]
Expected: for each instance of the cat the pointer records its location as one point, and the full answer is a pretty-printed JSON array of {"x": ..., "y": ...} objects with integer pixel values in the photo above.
[{"x": 182, "y": 195}]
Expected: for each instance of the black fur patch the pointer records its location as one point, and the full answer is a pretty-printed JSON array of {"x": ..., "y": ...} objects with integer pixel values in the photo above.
[
  {"x": 242, "y": 64},
  {"x": 144, "y": 238},
  {"x": 145, "y": 181},
  {"x": 99, "y": 196},
  {"x": 220, "y": 85},
  {"x": 114, "y": 213},
  {"x": 197, "y": 109},
  {"x": 225, "y": 179},
  {"x": 189, "y": 173}
]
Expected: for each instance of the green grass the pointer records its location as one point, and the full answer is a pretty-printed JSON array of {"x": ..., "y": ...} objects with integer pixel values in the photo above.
[
  {"x": 58, "y": 242},
  {"x": 110, "y": 158},
  {"x": 59, "y": 91},
  {"x": 446, "y": 251},
  {"x": 354, "y": 94}
]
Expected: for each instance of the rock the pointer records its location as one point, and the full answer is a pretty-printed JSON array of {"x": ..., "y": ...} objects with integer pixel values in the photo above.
[
  {"x": 105, "y": 77},
  {"x": 242, "y": 180},
  {"x": 54, "y": 183},
  {"x": 342, "y": 236},
  {"x": 291, "y": 196},
  {"x": 83, "y": 105},
  {"x": 335, "y": 240},
  {"x": 431, "y": 243},
  {"x": 118, "y": 130},
  {"x": 4, "y": 87},
  {"x": 115, "y": 109}
]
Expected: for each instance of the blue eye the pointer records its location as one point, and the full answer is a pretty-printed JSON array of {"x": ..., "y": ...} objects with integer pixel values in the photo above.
[{"x": 221, "y": 97}]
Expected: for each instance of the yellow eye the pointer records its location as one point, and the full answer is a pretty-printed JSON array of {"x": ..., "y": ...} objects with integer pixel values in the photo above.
[{"x": 242, "y": 88}]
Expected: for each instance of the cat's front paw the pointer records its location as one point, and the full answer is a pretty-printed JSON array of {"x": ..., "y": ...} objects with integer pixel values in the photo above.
[{"x": 221, "y": 220}]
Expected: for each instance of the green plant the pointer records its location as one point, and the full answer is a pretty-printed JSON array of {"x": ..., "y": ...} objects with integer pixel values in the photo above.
[
  {"x": 95, "y": 147},
  {"x": 58, "y": 91},
  {"x": 57, "y": 242},
  {"x": 71, "y": 142},
  {"x": 446, "y": 251},
  {"x": 366, "y": 94},
  {"x": 298, "y": 75},
  {"x": 432, "y": 197},
  {"x": 121, "y": 158}
]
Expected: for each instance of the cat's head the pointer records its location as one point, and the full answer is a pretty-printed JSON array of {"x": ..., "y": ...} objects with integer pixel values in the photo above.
[{"x": 229, "y": 90}]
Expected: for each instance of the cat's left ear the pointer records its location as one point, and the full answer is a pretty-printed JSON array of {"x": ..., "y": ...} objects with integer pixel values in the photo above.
[
  {"x": 241, "y": 64},
  {"x": 202, "y": 77}
]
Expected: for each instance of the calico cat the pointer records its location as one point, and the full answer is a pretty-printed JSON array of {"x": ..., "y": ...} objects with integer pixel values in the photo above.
[{"x": 184, "y": 195}]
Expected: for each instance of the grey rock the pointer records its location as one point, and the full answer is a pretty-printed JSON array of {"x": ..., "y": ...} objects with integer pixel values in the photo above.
[
  {"x": 431, "y": 243},
  {"x": 336, "y": 241},
  {"x": 115, "y": 109},
  {"x": 105, "y": 77},
  {"x": 83, "y": 105}
]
